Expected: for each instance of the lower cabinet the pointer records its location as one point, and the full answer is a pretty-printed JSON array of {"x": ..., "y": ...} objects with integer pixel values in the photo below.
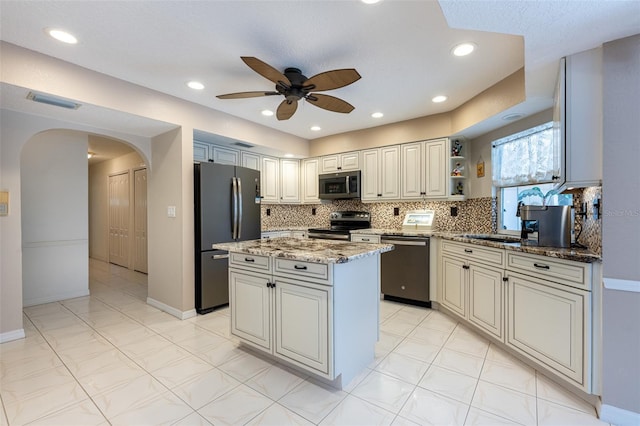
[
  {"x": 539, "y": 307},
  {"x": 287, "y": 319},
  {"x": 548, "y": 323}
]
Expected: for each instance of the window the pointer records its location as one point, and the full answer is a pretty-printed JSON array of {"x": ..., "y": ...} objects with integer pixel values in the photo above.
[{"x": 525, "y": 166}]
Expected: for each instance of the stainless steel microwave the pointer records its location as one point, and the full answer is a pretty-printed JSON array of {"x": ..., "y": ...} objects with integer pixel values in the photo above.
[{"x": 336, "y": 186}]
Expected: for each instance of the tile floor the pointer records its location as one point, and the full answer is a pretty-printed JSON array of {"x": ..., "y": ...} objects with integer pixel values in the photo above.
[{"x": 112, "y": 359}]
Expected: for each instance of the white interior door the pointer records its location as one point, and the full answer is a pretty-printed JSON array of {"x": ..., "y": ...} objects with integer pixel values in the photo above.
[
  {"x": 119, "y": 219},
  {"x": 140, "y": 219}
]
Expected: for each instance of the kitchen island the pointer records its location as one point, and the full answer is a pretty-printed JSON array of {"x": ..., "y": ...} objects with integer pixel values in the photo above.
[{"x": 313, "y": 304}]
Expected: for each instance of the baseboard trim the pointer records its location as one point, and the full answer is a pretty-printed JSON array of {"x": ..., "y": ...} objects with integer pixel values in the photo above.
[
  {"x": 12, "y": 335},
  {"x": 171, "y": 310},
  {"x": 619, "y": 416},
  {"x": 55, "y": 298}
]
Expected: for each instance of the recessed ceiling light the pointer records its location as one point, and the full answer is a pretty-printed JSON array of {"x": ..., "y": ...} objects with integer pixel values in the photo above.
[
  {"x": 267, "y": 112},
  {"x": 196, "y": 85},
  {"x": 316, "y": 128},
  {"x": 439, "y": 99},
  {"x": 463, "y": 49},
  {"x": 377, "y": 115},
  {"x": 370, "y": 1},
  {"x": 61, "y": 35},
  {"x": 288, "y": 155},
  {"x": 513, "y": 116}
]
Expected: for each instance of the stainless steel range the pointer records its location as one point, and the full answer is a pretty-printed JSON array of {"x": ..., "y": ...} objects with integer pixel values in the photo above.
[{"x": 341, "y": 225}]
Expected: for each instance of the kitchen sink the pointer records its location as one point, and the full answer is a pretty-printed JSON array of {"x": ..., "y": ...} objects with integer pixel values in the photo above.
[{"x": 493, "y": 238}]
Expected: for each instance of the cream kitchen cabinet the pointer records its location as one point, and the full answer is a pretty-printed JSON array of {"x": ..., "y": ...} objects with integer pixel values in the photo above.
[
  {"x": 472, "y": 284},
  {"x": 381, "y": 174},
  {"x": 425, "y": 169},
  {"x": 250, "y": 160},
  {"x": 340, "y": 162},
  {"x": 270, "y": 180},
  {"x": 309, "y": 180},
  {"x": 225, "y": 156},
  {"x": 289, "y": 181},
  {"x": 201, "y": 152},
  {"x": 365, "y": 238}
]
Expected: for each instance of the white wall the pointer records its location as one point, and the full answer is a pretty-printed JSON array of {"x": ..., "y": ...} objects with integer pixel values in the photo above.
[{"x": 53, "y": 172}]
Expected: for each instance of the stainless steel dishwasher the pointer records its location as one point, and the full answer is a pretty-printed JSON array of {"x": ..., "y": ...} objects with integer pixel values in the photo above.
[{"x": 405, "y": 270}]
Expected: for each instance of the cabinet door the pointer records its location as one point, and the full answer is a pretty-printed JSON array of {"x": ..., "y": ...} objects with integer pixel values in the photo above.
[
  {"x": 412, "y": 174},
  {"x": 436, "y": 170},
  {"x": 390, "y": 172},
  {"x": 250, "y": 160},
  {"x": 302, "y": 324},
  {"x": 370, "y": 175},
  {"x": 290, "y": 181},
  {"x": 548, "y": 323},
  {"x": 225, "y": 156},
  {"x": 485, "y": 298},
  {"x": 454, "y": 276},
  {"x": 201, "y": 151},
  {"x": 270, "y": 176},
  {"x": 310, "y": 180},
  {"x": 250, "y": 302},
  {"x": 350, "y": 161},
  {"x": 330, "y": 163}
]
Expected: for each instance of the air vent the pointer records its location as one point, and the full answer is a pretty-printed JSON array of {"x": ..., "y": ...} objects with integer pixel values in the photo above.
[
  {"x": 243, "y": 145},
  {"x": 52, "y": 100}
]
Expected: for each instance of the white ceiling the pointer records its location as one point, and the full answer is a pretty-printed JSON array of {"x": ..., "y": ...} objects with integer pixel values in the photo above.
[{"x": 401, "y": 49}]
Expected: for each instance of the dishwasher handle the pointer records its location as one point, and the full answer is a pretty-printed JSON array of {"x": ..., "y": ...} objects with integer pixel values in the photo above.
[{"x": 405, "y": 242}]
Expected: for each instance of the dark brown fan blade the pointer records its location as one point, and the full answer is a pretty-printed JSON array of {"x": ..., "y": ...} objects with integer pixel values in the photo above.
[
  {"x": 330, "y": 80},
  {"x": 265, "y": 70},
  {"x": 241, "y": 95},
  {"x": 286, "y": 109},
  {"x": 330, "y": 103}
]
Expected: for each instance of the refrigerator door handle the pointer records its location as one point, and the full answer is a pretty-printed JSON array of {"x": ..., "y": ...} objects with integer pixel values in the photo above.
[
  {"x": 239, "y": 189},
  {"x": 234, "y": 207}
]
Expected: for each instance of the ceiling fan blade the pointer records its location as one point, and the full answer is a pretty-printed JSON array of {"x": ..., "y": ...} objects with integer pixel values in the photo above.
[
  {"x": 330, "y": 80},
  {"x": 242, "y": 95},
  {"x": 265, "y": 70},
  {"x": 330, "y": 103},
  {"x": 286, "y": 109}
]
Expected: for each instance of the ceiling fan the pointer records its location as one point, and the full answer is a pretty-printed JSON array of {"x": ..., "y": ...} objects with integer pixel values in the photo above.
[{"x": 295, "y": 86}]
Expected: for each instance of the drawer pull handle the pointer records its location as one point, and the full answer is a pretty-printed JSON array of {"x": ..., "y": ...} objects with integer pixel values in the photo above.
[
  {"x": 249, "y": 259},
  {"x": 366, "y": 239},
  {"x": 468, "y": 251},
  {"x": 465, "y": 266},
  {"x": 541, "y": 266},
  {"x": 302, "y": 268}
]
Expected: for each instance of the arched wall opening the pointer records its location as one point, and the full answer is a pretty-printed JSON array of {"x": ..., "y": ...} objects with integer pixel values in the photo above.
[{"x": 55, "y": 206}]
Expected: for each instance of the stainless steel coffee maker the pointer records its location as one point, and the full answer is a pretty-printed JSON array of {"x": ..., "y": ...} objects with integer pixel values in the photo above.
[{"x": 547, "y": 226}]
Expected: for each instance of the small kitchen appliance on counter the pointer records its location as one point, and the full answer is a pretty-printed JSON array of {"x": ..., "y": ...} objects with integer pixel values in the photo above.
[
  {"x": 342, "y": 222},
  {"x": 546, "y": 226}
]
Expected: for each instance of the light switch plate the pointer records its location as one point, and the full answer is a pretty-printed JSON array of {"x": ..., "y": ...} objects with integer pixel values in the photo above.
[{"x": 171, "y": 211}]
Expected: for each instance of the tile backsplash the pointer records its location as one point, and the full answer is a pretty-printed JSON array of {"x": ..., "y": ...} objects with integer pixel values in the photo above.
[
  {"x": 478, "y": 215},
  {"x": 472, "y": 215}
]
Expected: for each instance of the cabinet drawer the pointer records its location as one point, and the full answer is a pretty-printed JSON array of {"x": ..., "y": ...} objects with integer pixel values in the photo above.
[
  {"x": 576, "y": 274},
  {"x": 316, "y": 271},
  {"x": 249, "y": 261},
  {"x": 488, "y": 255},
  {"x": 361, "y": 238}
]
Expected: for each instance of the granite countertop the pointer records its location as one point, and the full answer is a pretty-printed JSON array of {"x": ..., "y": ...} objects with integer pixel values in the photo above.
[
  {"x": 307, "y": 250},
  {"x": 286, "y": 228},
  {"x": 575, "y": 254}
]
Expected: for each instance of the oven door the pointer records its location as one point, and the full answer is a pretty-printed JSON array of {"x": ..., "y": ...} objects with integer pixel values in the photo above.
[
  {"x": 328, "y": 234},
  {"x": 343, "y": 185}
]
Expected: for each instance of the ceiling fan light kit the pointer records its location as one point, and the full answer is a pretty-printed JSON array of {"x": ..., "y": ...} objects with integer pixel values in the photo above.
[{"x": 294, "y": 86}]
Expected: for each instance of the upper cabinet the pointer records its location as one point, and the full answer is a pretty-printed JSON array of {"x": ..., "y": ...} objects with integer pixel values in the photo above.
[
  {"x": 225, "y": 156},
  {"x": 578, "y": 111},
  {"x": 424, "y": 169},
  {"x": 270, "y": 180},
  {"x": 457, "y": 170},
  {"x": 251, "y": 160},
  {"x": 340, "y": 162},
  {"x": 381, "y": 174},
  {"x": 309, "y": 180},
  {"x": 289, "y": 181}
]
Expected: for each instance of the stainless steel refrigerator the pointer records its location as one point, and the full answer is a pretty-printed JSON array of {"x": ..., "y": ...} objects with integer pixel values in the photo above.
[{"x": 227, "y": 208}]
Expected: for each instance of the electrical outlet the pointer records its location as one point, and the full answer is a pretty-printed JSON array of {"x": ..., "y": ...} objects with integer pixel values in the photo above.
[
  {"x": 313, "y": 211},
  {"x": 171, "y": 211},
  {"x": 268, "y": 212},
  {"x": 454, "y": 211},
  {"x": 396, "y": 211}
]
